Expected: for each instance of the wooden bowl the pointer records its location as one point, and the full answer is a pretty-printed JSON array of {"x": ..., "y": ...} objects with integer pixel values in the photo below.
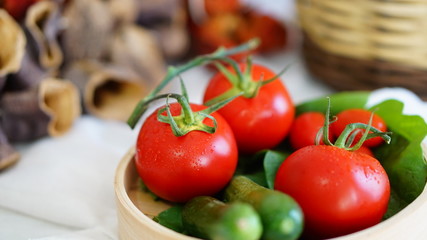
[{"x": 136, "y": 209}]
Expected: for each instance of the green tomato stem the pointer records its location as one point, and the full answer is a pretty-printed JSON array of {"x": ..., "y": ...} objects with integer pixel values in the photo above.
[
  {"x": 172, "y": 72},
  {"x": 345, "y": 140},
  {"x": 325, "y": 129},
  {"x": 219, "y": 105},
  {"x": 232, "y": 92},
  {"x": 342, "y": 139},
  {"x": 265, "y": 82},
  {"x": 188, "y": 120}
]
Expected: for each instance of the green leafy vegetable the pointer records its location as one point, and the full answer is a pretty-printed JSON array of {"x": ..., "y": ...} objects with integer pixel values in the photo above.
[
  {"x": 171, "y": 218},
  {"x": 272, "y": 162},
  {"x": 264, "y": 166},
  {"x": 395, "y": 204},
  {"x": 339, "y": 101},
  {"x": 403, "y": 158}
]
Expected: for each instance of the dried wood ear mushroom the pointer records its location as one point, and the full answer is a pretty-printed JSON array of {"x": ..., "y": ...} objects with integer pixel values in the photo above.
[
  {"x": 47, "y": 110},
  {"x": 88, "y": 28},
  {"x": 12, "y": 42},
  {"x": 167, "y": 21},
  {"x": 135, "y": 48},
  {"x": 108, "y": 92},
  {"x": 28, "y": 76},
  {"x": 60, "y": 99},
  {"x": 123, "y": 11},
  {"x": 43, "y": 25}
]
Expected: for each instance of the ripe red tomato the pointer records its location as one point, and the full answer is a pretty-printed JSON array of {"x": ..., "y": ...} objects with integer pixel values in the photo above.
[
  {"x": 305, "y": 128},
  {"x": 219, "y": 30},
  {"x": 180, "y": 168},
  {"x": 339, "y": 191},
  {"x": 229, "y": 25},
  {"x": 260, "y": 122},
  {"x": 270, "y": 31},
  {"x": 359, "y": 116}
]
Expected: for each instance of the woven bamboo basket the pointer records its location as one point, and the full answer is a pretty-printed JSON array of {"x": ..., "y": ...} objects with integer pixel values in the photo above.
[
  {"x": 366, "y": 44},
  {"x": 136, "y": 209}
]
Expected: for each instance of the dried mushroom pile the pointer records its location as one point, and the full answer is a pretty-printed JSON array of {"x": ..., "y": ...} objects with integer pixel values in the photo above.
[{"x": 65, "y": 58}]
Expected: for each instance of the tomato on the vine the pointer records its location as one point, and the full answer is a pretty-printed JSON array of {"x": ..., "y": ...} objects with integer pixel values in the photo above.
[
  {"x": 180, "y": 168},
  {"x": 339, "y": 191},
  {"x": 362, "y": 116},
  {"x": 262, "y": 116},
  {"x": 305, "y": 128},
  {"x": 219, "y": 30},
  {"x": 270, "y": 31},
  {"x": 214, "y": 24}
]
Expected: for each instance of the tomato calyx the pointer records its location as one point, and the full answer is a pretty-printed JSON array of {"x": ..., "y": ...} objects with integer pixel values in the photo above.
[
  {"x": 346, "y": 139},
  {"x": 188, "y": 120},
  {"x": 241, "y": 82}
]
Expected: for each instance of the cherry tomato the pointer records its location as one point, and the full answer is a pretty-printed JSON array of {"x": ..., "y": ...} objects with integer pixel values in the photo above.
[
  {"x": 339, "y": 191},
  {"x": 230, "y": 26},
  {"x": 305, "y": 128},
  {"x": 359, "y": 116},
  {"x": 180, "y": 168},
  {"x": 270, "y": 31},
  {"x": 219, "y": 30},
  {"x": 259, "y": 122}
]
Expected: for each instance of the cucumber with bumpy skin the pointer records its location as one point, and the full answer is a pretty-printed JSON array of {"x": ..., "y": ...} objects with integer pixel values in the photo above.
[
  {"x": 209, "y": 218},
  {"x": 281, "y": 216}
]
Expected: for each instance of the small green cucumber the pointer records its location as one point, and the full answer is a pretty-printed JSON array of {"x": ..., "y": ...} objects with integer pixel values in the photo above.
[
  {"x": 209, "y": 218},
  {"x": 281, "y": 216}
]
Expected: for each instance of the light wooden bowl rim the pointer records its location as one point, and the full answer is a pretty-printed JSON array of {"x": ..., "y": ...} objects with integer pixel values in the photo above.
[
  {"x": 403, "y": 225},
  {"x": 123, "y": 199}
]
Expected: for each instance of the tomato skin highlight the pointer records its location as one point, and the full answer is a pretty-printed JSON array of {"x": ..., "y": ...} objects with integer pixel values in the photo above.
[
  {"x": 180, "y": 168},
  {"x": 260, "y": 122},
  {"x": 359, "y": 116},
  {"x": 305, "y": 128},
  {"x": 339, "y": 191}
]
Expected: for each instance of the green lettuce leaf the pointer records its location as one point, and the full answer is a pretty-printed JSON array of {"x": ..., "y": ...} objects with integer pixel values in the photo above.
[
  {"x": 339, "y": 101},
  {"x": 171, "y": 218},
  {"x": 272, "y": 162},
  {"x": 263, "y": 167},
  {"x": 403, "y": 158}
]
